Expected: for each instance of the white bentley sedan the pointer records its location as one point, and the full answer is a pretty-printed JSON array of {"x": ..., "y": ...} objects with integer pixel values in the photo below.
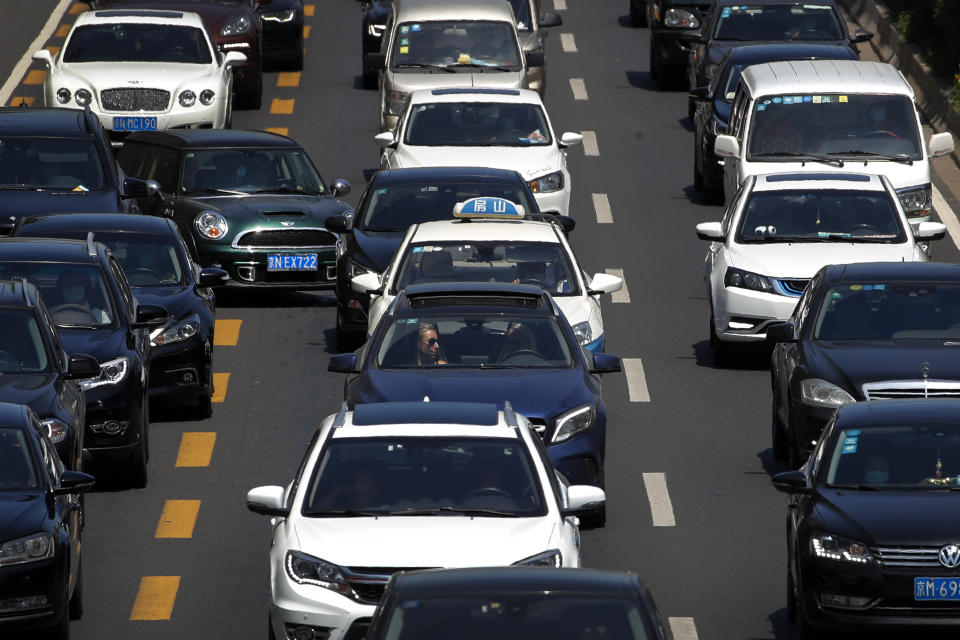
[{"x": 141, "y": 70}]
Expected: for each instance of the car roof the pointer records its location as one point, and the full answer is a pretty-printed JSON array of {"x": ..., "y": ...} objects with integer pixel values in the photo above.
[
  {"x": 14, "y": 294},
  {"x": 475, "y": 297},
  {"x": 759, "y": 53},
  {"x": 493, "y": 581},
  {"x": 12, "y": 415},
  {"x": 893, "y": 272},
  {"x": 467, "y": 94},
  {"x": 49, "y": 249},
  {"x": 414, "y": 175},
  {"x": 213, "y": 138},
  {"x": 461, "y": 419},
  {"x": 824, "y": 76},
  {"x": 900, "y": 411},
  {"x": 460, "y": 10},
  {"x": 478, "y": 230},
  {"x": 44, "y": 122},
  {"x": 128, "y": 222},
  {"x": 819, "y": 180},
  {"x": 139, "y": 16}
]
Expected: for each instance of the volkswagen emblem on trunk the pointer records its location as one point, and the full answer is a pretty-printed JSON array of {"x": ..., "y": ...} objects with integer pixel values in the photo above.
[
  {"x": 950, "y": 556},
  {"x": 925, "y": 370}
]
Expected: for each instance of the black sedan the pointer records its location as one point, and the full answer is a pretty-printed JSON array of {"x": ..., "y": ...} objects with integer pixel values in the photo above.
[
  {"x": 41, "y": 518},
  {"x": 372, "y": 25},
  {"x": 282, "y": 33},
  {"x": 863, "y": 332},
  {"x": 873, "y": 535},
  {"x": 669, "y": 20},
  {"x": 517, "y": 602},
  {"x": 161, "y": 271}
]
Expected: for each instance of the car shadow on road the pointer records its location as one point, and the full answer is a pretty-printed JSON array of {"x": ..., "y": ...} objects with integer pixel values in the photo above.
[
  {"x": 641, "y": 80},
  {"x": 698, "y": 198},
  {"x": 273, "y": 299},
  {"x": 771, "y": 466},
  {"x": 749, "y": 357}
]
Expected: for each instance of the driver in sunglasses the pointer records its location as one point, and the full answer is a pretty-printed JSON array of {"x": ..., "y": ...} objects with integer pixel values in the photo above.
[{"x": 428, "y": 345}]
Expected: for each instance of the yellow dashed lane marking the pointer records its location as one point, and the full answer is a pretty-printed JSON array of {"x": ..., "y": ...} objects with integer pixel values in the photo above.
[
  {"x": 196, "y": 449},
  {"x": 308, "y": 9},
  {"x": 18, "y": 101},
  {"x": 63, "y": 31},
  {"x": 54, "y": 50},
  {"x": 282, "y": 107},
  {"x": 78, "y": 7},
  {"x": 35, "y": 77},
  {"x": 284, "y": 131},
  {"x": 226, "y": 333},
  {"x": 178, "y": 518},
  {"x": 155, "y": 598},
  {"x": 288, "y": 79},
  {"x": 220, "y": 382},
  {"x": 306, "y": 31}
]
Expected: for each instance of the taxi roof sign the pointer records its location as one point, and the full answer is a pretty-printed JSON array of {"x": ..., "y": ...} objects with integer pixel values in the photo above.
[{"x": 488, "y": 207}]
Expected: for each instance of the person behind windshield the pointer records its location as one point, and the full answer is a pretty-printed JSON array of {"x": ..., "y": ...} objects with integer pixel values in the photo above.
[
  {"x": 876, "y": 470},
  {"x": 254, "y": 174},
  {"x": 76, "y": 291},
  {"x": 360, "y": 491},
  {"x": 881, "y": 124},
  {"x": 519, "y": 339},
  {"x": 428, "y": 345}
]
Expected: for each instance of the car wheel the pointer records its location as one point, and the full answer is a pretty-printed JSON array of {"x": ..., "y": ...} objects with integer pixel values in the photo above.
[
  {"x": 204, "y": 408},
  {"x": 778, "y": 435},
  {"x": 138, "y": 461},
  {"x": 270, "y": 634},
  {"x": 76, "y": 600},
  {"x": 368, "y": 79},
  {"x": 253, "y": 98},
  {"x": 638, "y": 17},
  {"x": 721, "y": 350}
]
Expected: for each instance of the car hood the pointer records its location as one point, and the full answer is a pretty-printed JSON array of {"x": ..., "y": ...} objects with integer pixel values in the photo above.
[
  {"x": 35, "y": 390},
  {"x": 214, "y": 14},
  {"x": 22, "y": 203},
  {"x": 176, "y": 300},
  {"x": 378, "y": 246},
  {"x": 21, "y": 514},
  {"x": 103, "y": 344},
  {"x": 803, "y": 259},
  {"x": 575, "y": 308},
  {"x": 155, "y": 75},
  {"x": 892, "y": 518},
  {"x": 270, "y": 209},
  {"x": 424, "y": 541},
  {"x": 530, "y": 162},
  {"x": 412, "y": 80}
]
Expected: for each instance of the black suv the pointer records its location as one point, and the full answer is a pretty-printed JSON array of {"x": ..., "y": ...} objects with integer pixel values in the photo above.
[
  {"x": 56, "y": 160},
  {"x": 91, "y": 303},
  {"x": 36, "y": 371}
]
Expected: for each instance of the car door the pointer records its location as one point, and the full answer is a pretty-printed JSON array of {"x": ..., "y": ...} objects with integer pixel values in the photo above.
[
  {"x": 68, "y": 506},
  {"x": 738, "y": 117},
  {"x": 788, "y": 355},
  {"x": 557, "y": 492}
]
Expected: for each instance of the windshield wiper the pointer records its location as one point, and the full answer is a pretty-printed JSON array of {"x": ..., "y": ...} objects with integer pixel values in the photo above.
[
  {"x": 288, "y": 190},
  {"x": 418, "y": 65},
  {"x": 480, "y": 65},
  {"x": 24, "y": 188},
  {"x": 858, "y": 487},
  {"x": 212, "y": 190},
  {"x": 431, "y": 511},
  {"x": 895, "y": 157},
  {"x": 803, "y": 156},
  {"x": 380, "y": 229},
  {"x": 346, "y": 513}
]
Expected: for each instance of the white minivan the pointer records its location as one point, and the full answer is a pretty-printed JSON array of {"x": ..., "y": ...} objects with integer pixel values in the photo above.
[{"x": 845, "y": 115}]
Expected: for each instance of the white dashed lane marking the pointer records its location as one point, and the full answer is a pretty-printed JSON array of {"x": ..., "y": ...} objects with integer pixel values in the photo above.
[
  {"x": 683, "y": 628},
  {"x": 636, "y": 381},
  {"x": 579, "y": 88},
  {"x": 590, "y": 147},
  {"x": 661, "y": 509},
  {"x": 601, "y": 204},
  {"x": 622, "y": 296},
  {"x": 946, "y": 216},
  {"x": 560, "y": 5},
  {"x": 568, "y": 43}
]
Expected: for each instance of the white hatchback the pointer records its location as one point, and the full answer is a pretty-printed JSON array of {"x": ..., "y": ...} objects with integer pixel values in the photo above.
[
  {"x": 499, "y": 128},
  {"x": 409, "y": 485}
]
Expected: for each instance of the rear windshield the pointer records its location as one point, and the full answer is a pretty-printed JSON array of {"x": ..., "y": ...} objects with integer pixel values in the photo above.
[
  {"x": 478, "y": 124},
  {"x": 456, "y": 44},
  {"x": 774, "y": 22},
  {"x": 134, "y": 42}
]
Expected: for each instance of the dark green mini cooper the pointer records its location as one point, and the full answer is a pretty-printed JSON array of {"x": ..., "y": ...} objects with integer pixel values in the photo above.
[{"x": 252, "y": 201}]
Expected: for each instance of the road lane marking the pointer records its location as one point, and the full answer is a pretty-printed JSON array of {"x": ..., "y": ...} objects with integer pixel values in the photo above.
[
  {"x": 78, "y": 8},
  {"x": 683, "y": 628},
  {"x": 947, "y": 216},
  {"x": 288, "y": 79},
  {"x": 19, "y": 101},
  {"x": 177, "y": 519},
  {"x": 226, "y": 332},
  {"x": 63, "y": 31},
  {"x": 560, "y": 5},
  {"x": 590, "y": 147},
  {"x": 196, "y": 449},
  {"x": 306, "y": 31},
  {"x": 308, "y": 9},
  {"x": 636, "y": 380},
  {"x": 601, "y": 204},
  {"x": 579, "y": 88},
  {"x": 220, "y": 382},
  {"x": 155, "y": 598},
  {"x": 14, "y": 78},
  {"x": 660, "y": 506},
  {"x": 622, "y": 296},
  {"x": 54, "y": 50},
  {"x": 35, "y": 76},
  {"x": 281, "y": 106},
  {"x": 567, "y": 42},
  {"x": 284, "y": 131}
]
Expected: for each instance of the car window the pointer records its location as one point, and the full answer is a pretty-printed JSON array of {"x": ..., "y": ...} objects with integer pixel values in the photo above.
[
  {"x": 131, "y": 158},
  {"x": 76, "y": 294},
  {"x": 161, "y": 164},
  {"x": 738, "y": 113},
  {"x": 477, "y": 124},
  {"x": 18, "y": 469},
  {"x": 788, "y": 21},
  {"x": 148, "y": 260},
  {"x": 48, "y": 163},
  {"x": 456, "y": 43},
  {"x": 250, "y": 171},
  {"x": 806, "y": 302},
  {"x": 22, "y": 347},
  {"x": 51, "y": 460},
  {"x": 133, "y": 42}
]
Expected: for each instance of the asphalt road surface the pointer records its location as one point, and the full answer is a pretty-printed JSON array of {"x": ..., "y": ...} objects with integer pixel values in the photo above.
[{"x": 690, "y": 504}]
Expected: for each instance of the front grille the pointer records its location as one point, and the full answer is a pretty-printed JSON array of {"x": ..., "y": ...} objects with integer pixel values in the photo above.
[
  {"x": 134, "y": 99},
  {"x": 892, "y": 389},
  {"x": 793, "y": 287},
  {"x": 908, "y": 556},
  {"x": 369, "y": 582},
  {"x": 285, "y": 238}
]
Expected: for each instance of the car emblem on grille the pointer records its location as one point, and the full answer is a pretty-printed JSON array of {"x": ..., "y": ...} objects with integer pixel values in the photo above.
[
  {"x": 287, "y": 223},
  {"x": 135, "y": 81},
  {"x": 950, "y": 556},
  {"x": 925, "y": 370}
]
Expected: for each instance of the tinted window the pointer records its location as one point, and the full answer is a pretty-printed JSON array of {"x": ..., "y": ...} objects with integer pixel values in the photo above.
[
  {"x": 147, "y": 260},
  {"x": 250, "y": 171},
  {"x": 452, "y": 44},
  {"x": 131, "y": 42},
  {"x": 75, "y": 294},
  {"x": 889, "y": 311},
  {"x": 521, "y": 11},
  {"x": 477, "y": 124},
  {"x": 160, "y": 164},
  {"x": 18, "y": 469},
  {"x": 61, "y": 164},
  {"x": 779, "y": 22},
  {"x": 22, "y": 349}
]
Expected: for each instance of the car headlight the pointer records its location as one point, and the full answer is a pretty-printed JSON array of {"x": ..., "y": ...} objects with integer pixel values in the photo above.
[
  {"x": 820, "y": 393},
  {"x": 280, "y": 16},
  {"x": 583, "y": 332},
  {"x": 306, "y": 569},
  {"x": 82, "y": 97},
  {"x": 916, "y": 201},
  {"x": 207, "y": 96},
  {"x": 355, "y": 269},
  {"x": 237, "y": 27},
  {"x": 680, "y": 18},
  {"x": 546, "y": 184},
  {"x": 552, "y": 558},
  {"x": 395, "y": 100},
  {"x": 28, "y": 549},
  {"x": 177, "y": 333},
  {"x": 56, "y": 429},
  {"x": 111, "y": 372},
  {"x": 211, "y": 225},
  {"x": 826, "y": 545},
  {"x": 187, "y": 98},
  {"x": 747, "y": 280},
  {"x": 572, "y": 422},
  {"x": 63, "y": 95},
  {"x": 376, "y": 30}
]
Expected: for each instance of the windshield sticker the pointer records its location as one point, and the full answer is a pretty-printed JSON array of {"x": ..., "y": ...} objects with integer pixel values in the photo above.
[
  {"x": 849, "y": 448},
  {"x": 731, "y": 95},
  {"x": 80, "y": 187},
  {"x": 817, "y": 99},
  {"x": 404, "y": 49},
  {"x": 464, "y": 58},
  {"x": 404, "y": 29},
  {"x": 787, "y": 99},
  {"x": 777, "y": 100},
  {"x": 417, "y": 250},
  {"x": 850, "y": 440},
  {"x": 808, "y": 98},
  {"x": 817, "y": 7},
  {"x": 761, "y": 107},
  {"x": 725, "y": 13},
  {"x": 852, "y": 432},
  {"x": 415, "y": 27},
  {"x": 856, "y": 287},
  {"x": 404, "y": 41},
  {"x": 842, "y": 98}
]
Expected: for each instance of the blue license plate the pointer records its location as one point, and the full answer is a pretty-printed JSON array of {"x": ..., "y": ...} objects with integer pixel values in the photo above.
[
  {"x": 134, "y": 123},
  {"x": 936, "y": 588},
  {"x": 292, "y": 262}
]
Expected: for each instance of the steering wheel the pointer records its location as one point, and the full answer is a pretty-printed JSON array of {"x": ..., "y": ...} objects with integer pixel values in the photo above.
[
  {"x": 488, "y": 491},
  {"x": 152, "y": 278},
  {"x": 522, "y": 352},
  {"x": 68, "y": 306},
  {"x": 540, "y": 283}
]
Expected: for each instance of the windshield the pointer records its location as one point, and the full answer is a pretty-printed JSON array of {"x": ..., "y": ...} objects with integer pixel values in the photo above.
[
  {"x": 846, "y": 125},
  {"x": 75, "y": 294},
  {"x": 17, "y": 467},
  {"x": 521, "y": 11},
  {"x": 924, "y": 456},
  {"x": 250, "y": 171},
  {"x": 394, "y": 207},
  {"x": 543, "y": 264},
  {"x": 890, "y": 311},
  {"x": 425, "y": 476},
  {"x": 56, "y": 164},
  {"x": 773, "y": 22},
  {"x": 456, "y": 43},
  {"x": 519, "y": 615},
  {"x": 137, "y": 42},
  {"x": 147, "y": 260},
  {"x": 472, "y": 124},
  {"x": 821, "y": 215},
  {"x": 22, "y": 349},
  {"x": 474, "y": 341}
]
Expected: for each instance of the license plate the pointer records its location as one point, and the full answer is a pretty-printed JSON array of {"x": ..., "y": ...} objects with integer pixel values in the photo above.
[
  {"x": 936, "y": 588},
  {"x": 292, "y": 262},
  {"x": 134, "y": 123}
]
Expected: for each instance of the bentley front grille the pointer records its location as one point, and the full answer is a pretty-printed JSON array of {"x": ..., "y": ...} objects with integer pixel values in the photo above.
[{"x": 125, "y": 99}]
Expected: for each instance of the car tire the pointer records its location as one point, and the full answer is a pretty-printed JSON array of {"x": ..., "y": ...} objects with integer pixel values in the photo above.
[
  {"x": 778, "y": 432},
  {"x": 138, "y": 461},
  {"x": 638, "y": 17},
  {"x": 253, "y": 98},
  {"x": 721, "y": 350},
  {"x": 270, "y": 634},
  {"x": 204, "y": 408},
  {"x": 76, "y": 600},
  {"x": 369, "y": 79},
  {"x": 60, "y": 630}
]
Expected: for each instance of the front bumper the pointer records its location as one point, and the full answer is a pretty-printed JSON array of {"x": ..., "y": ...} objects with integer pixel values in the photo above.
[
  {"x": 249, "y": 268},
  {"x": 750, "y": 311},
  {"x": 558, "y": 200},
  {"x": 181, "y": 369},
  {"x": 282, "y": 40},
  {"x": 36, "y": 580},
  {"x": 107, "y": 404},
  {"x": 671, "y": 50},
  {"x": 294, "y": 605}
]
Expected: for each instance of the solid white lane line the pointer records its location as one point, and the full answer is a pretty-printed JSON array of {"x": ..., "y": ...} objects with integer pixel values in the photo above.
[
  {"x": 947, "y": 216},
  {"x": 683, "y": 628},
  {"x": 590, "y": 147},
  {"x": 636, "y": 381},
  {"x": 560, "y": 5},
  {"x": 622, "y": 296},
  {"x": 568, "y": 43},
  {"x": 17, "y": 74},
  {"x": 660, "y": 506},
  {"x": 601, "y": 204},
  {"x": 579, "y": 88}
]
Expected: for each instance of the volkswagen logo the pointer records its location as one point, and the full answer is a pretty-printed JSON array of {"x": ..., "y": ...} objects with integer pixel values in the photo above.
[
  {"x": 925, "y": 370},
  {"x": 950, "y": 556}
]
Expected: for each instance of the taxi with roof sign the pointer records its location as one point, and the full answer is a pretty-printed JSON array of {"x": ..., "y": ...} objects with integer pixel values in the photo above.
[{"x": 493, "y": 240}]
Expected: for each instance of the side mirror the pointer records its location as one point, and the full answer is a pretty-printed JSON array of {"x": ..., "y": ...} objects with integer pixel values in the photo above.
[
  {"x": 569, "y": 139},
  {"x": 368, "y": 283},
  {"x": 234, "y": 58},
  {"x": 691, "y": 37},
  {"x": 340, "y": 187},
  {"x": 43, "y": 56},
  {"x": 726, "y": 146},
  {"x": 267, "y": 501},
  {"x": 385, "y": 140},
  {"x": 605, "y": 363},
  {"x": 930, "y": 231},
  {"x": 74, "y": 482},
  {"x": 81, "y": 366},
  {"x": 781, "y": 332},
  {"x": 566, "y": 223},
  {"x": 150, "y": 315},
  {"x": 791, "y": 482},
  {"x": 137, "y": 188},
  {"x": 343, "y": 363},
  {"x": 534, "y": 58},
  {"x": 700, "y": 93},
  {"x": 550, "y": 19},
  {"x": 211, "y": 277},
  {"x": 337, "y": 224},
  {"x": 584, "y": 498},
  {"x": 604, "y": 283},
  {"x": 861, "y": 35},
  {"x": 375, "y": 60},
  {"x": 940, "y": 144},
  {"x": 712, "y": 231}
]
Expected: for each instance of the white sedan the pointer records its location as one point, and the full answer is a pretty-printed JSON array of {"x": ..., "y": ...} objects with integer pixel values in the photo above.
[
  {"x": 483, "y": 247},
  {"x": 499, "y": 128},
  {"x": 141, "y": 70},
  {"x": 781, "y": 229}
]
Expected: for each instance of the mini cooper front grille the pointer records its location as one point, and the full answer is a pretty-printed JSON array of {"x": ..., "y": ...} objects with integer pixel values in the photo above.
[
  {"x": 908, "y": 556},
  {"x": 285, "y": 238},
  {"x": 134, "y": 99},
  {"x": 891, "y": 389}
]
